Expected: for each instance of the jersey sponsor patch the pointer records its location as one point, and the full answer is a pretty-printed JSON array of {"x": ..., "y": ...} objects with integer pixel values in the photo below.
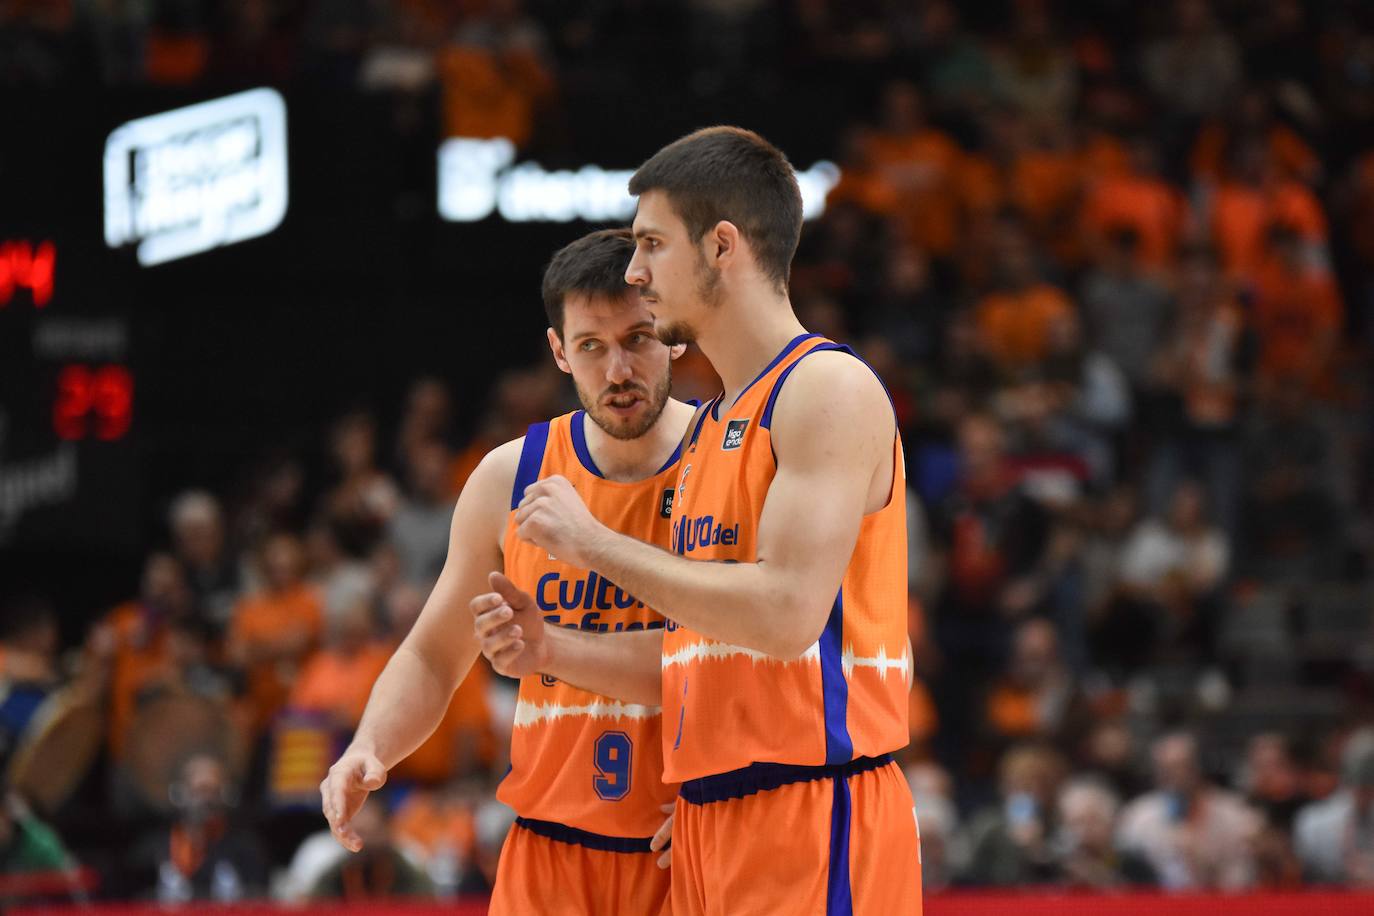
[
  {"x": 665, "y": 506},
  {"x": 734, "y": 434}
]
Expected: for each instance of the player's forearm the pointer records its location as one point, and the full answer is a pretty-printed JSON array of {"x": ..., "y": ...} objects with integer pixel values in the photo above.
[
  {"x": 407, "y": 703},
  {"x": 624, "y": 666},
  {"x": 744, "y": 604}
]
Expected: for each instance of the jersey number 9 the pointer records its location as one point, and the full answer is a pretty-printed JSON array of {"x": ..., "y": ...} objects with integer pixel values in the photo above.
[{"x": 612, "y": 759}]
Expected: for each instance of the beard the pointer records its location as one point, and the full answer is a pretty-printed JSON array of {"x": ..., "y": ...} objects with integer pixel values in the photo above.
[
  {"x": 708, "y": 293},
  {"x": 626, "y": 428}
]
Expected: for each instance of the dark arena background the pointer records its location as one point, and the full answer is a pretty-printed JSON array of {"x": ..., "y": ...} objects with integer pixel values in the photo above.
[{"x": 269, "y": 288}]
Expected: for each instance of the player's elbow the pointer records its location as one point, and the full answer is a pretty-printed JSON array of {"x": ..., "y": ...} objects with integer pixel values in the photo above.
[{"x": 799, "y": 630}]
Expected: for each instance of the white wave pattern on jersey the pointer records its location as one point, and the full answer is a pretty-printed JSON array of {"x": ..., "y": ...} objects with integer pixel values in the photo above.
[
  {"x": 703, "y": 651},
  {"x": 880, "y": 662},
  {"x": 527, "y": 714}
]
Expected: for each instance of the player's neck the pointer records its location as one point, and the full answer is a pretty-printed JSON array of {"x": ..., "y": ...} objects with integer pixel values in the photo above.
[
  {"x": 632, "y": 460},
  {"x": 744, "y": 337}
]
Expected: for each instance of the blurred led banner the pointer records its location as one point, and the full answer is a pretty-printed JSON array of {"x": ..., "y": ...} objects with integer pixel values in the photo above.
[
  {"x": 479, "y": 177},
  {"x": 185, "y": 181}
]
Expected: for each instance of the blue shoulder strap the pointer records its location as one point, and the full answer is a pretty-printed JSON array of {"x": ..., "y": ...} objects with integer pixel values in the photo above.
[{"x": 531, "y": 459}]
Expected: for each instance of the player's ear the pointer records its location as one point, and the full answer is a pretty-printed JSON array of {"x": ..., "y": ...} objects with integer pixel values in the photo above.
[
  {"x": 559, "y": 355},
  {"x": 722, "y": 243},
  {"x": 676, "y": 350}
]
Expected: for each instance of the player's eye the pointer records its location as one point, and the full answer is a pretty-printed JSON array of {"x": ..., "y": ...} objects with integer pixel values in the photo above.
[
  {"x": 638, "y": 338},
  {"x": 590, "y": 345}
]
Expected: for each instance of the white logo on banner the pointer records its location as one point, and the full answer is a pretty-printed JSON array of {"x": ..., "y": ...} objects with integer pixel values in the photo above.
[
  {"x": 479, "y": 177},
  {"x": 185, "y": 181}
]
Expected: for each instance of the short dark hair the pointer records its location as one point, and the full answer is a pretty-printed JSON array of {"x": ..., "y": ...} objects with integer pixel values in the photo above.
[
  {"x": 594, "y": 265},
  {"x": 729, "y": 173}
]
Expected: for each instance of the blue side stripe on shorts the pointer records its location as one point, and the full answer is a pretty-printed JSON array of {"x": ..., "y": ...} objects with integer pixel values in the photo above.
[
  {"x": 531, "y": 460},
  {"x": 839, "y": 897}
]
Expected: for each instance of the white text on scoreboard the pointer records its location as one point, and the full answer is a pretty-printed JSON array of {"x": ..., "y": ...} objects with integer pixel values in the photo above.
[{"x": 185, "y": 181}]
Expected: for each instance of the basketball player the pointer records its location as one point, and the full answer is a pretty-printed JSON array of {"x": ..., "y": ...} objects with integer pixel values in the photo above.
[
  {"x": 586, "y": 771},
  {"x": 785, "y": 664}
]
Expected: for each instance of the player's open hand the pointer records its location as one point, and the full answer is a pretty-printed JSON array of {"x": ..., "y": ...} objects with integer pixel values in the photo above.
[
  {"x": 351, "y": 779},
  {"x": 663, "y": 838},
  {"x": 510, "y": 629},
  {"x": 554, "y": 517}
]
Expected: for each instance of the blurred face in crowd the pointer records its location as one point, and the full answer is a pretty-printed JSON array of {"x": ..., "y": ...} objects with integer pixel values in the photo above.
[
  {"x": 1185, "y": 512},
  {"x": 373, "y": 827},
  {"x": 1015, "y": 258},
  {"x": 1033, "y": 772},
  {"x": 621, "y": 370},
  {"x": 351, "y": 626},
  {"x": 164, "y": 583},
  {"x": 1036, "y": 654},
  {"x": 902, "y": 111},
  {"x": 199, "y": 533},
  {"x": 355, "y": 443},
  {"x": 283, "y": 562},
  {"x": 204, "y": 787},
  {"x": 1271, "y": 768},
  {"x": 980, "y": 446},
  {"x": 1176, "y": 765},
  {"x": 1088, "y": 815},
  {"x": 670, "y": 269},
  {"x": 428, "y": 404},
  {"x": 429, "y": 471}
]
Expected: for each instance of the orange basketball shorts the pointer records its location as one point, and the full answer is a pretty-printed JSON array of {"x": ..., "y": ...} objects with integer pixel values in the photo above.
[
  {"x": 548, "y": 868},
  {"x": 772, "y": 839}
]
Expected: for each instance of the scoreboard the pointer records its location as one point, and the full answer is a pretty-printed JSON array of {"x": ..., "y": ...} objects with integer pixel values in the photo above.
[{"x": 68, "y": 408}]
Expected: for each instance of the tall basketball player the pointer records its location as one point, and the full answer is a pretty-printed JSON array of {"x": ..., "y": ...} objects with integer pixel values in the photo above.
[
  {"x": 785, "y": 664},
  {"x": 586, "y": 773}
]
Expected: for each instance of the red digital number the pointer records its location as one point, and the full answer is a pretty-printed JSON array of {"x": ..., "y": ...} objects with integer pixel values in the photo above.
[
  {"x": 104, "y": 395},
  {"x": 26, "y": 266}
]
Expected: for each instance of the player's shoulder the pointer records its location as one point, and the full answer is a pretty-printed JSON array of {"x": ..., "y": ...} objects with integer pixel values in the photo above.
[
  {"x": 494, "y": 477},
  {"x": 831, "y": 380}
]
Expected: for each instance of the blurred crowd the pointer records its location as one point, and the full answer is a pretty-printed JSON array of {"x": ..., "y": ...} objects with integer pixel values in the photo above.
[{"x": 1116, "y": 266}]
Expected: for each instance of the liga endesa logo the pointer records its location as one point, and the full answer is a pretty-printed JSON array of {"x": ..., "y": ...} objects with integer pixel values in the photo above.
[{"x": 192, "y": 179}]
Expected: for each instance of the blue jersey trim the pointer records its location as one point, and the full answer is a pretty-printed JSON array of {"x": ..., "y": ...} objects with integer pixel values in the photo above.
[
  {"x": 565, "y": 834},
  {"x": 791, "y": 345},
  {"x": 701, "y": 419},
  {"x": 764, "y": 777},
  {"x": 766, "y": 420},
  {"x": 839, "y": 896},
  {"x": 577, "y": 424},
  {"x": 531, "y": 460},
  {"x": 839, "y": 747}
]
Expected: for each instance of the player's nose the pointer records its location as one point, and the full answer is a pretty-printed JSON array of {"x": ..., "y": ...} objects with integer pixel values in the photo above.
[
  {"x": 618, "y": 368},
  {"x": 636, "y": 274}
]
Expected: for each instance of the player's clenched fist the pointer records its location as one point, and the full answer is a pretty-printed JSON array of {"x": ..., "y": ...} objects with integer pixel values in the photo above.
[
  {"x": 554, "y": 517},
  {"x": 356, "y": 775},
  {"x": 510, "y": 629}
]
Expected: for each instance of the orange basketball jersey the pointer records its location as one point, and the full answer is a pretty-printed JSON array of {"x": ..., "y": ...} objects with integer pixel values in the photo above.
[
  {"x": 582, "y": 763},
  {"x": 726, "y": 707}
]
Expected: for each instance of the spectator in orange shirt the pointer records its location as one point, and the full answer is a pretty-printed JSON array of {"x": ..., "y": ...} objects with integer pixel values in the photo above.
[
  {"x": 1014, "y": 320},
  {"x": 130, "y": 645},
  {"x": 365, "y": 497},
  {"x": 1045, "y": 182},
  {"x": 1140, "y": 200},
  {"x": 1254, "y": 198},
  {"x": 338, "y": 678},
  {"x": 917, "y": 166},
  {"x": 496, "y": 75},
  {"x": 1037, "y": 697},
  {"x": 273, "y": 630},
  {"x": 1253, "y": 119},
  {"x": 1297, "y": 317}
]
